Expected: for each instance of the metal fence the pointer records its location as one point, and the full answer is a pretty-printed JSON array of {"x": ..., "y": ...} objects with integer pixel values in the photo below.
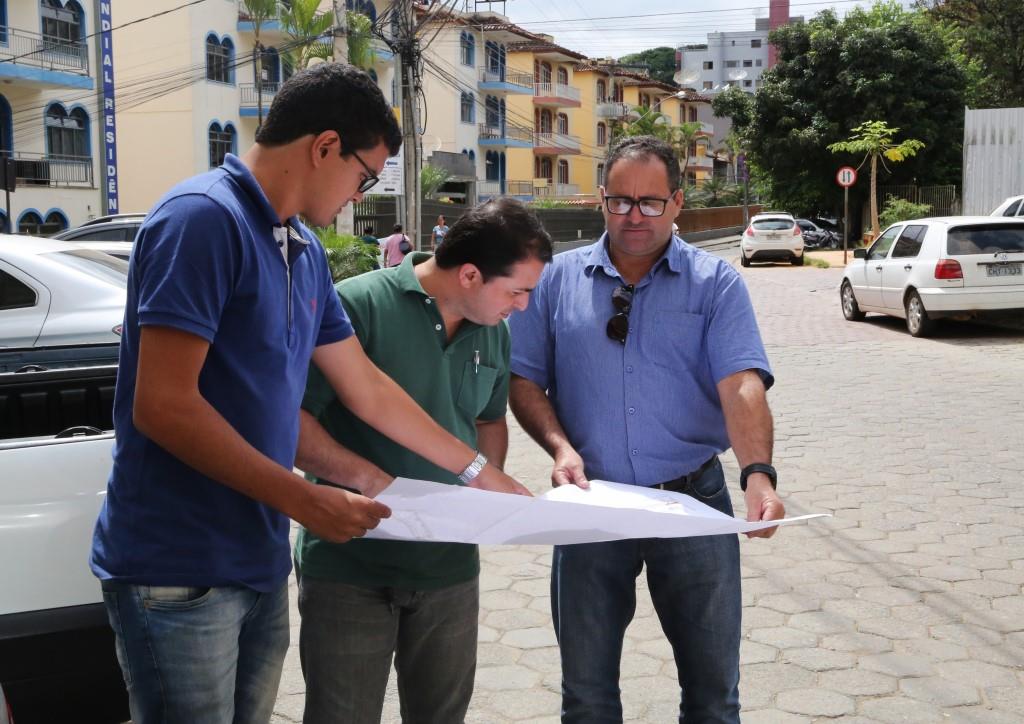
[
  {"x": 36, "y": 169},
  {"x": 44, "y": 51},
  {"x": 943, "y": 200}
]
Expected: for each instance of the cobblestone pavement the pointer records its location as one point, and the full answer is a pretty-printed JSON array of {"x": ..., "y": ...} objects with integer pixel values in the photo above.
[{"x": 906, "y": 606}]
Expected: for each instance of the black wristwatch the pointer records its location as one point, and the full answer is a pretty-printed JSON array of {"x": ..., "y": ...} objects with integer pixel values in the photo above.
[{"x": 758, "y": 468}]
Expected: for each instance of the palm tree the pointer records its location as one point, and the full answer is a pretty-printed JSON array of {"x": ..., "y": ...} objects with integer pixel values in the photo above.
[
  {"x": 875, "y": 139},
  {"x": 309, "y": 31},
  {"x": 644, "y": 122},
  {"x": 259, "y": 12},
  {"x": 360, "y": 38},
  {"x": 732, "y": 147}
]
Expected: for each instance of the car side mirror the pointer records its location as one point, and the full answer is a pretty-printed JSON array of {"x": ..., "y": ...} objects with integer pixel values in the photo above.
[{"x": 860, "y": 253}]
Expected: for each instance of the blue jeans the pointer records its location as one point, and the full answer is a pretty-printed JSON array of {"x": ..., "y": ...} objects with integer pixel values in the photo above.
[
  {"x": 199, "y": 655},
  {"x": 695, "y": 587},
  {"x": 349, "y": 634}
]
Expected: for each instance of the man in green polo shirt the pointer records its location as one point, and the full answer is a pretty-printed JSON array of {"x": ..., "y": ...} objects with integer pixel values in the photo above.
[{"x": 434, "y": 324}]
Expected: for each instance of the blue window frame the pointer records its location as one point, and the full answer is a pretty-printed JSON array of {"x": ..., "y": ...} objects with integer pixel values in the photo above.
[
  {"x": 467, "y": 111},
  {"x": 61, "y": 23},
  {"x": 220, "y": 56},
  {"x": 222, "y": 141},
  {"x": 6, "y": 126},
  {"x": 467, "y": 49},
  {"x": 3, "y": 33},
  {"x": 67, "y": 134}
]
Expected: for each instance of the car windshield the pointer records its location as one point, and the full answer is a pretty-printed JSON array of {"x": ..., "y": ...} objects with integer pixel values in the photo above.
[
  {"x": 772, "y": 224},
  {"x": 988, "y": 239},
  {"x": 96, "y": 264}
]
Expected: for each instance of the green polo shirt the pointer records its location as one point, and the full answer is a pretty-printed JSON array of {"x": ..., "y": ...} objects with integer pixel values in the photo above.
[{"x": 403, "y": 333}]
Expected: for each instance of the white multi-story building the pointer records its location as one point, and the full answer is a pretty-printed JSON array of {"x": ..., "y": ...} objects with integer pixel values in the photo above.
[{"x": 50, "y": 113}]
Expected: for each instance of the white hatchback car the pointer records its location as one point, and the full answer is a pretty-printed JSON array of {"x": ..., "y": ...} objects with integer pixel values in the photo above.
[
  {"x": 927, "y": 269},
  {"x": 772, "y": 236},
  {"x": 1013, "y": 206}
]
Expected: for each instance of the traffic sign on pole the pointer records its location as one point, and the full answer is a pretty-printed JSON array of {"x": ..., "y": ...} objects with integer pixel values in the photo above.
[{"x": 846, "y": 176}]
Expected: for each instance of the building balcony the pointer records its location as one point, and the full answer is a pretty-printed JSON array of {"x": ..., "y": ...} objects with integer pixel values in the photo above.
[
  {"x": 249, "y": 97},
  {"x": 508, "y": 81},
  {"x": 508, "y": 187},
  {"x": 612, "y": 109},
  {"x": 556, "y": 191},
  {"x": 556, "y": 144},
  {"x": 704, "y": 162},
  {"x": 706, "y": 129},
  {"x": 37, "y": 169},
  {"x": 43, "y": 60},
  {"x": 505, "y": 135},
  {"x": 556, "y": 94}
]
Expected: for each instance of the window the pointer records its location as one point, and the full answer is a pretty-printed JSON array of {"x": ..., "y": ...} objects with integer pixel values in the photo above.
[
  {"x": 600, "y": 174},
  {"x": 270, "y": 68},
  {"x": 563, "y": 76},
  {"x": 14, "y": 294},
  {"x": 692, "y": 113},
  {"x": 543, "y": 121},
  {"x": 732, "y": 64},
  {"x": 61, "y": 24},
  {"x": 748, "y": 83},
  {"x": 54, "y": 222},
  {"x": 563, "y": 172},
  {"x": 467, "y": 49},
  {"x": 880, "y": 249},
  {"x": 602, "y": 91},
  {"x": 541, "y": 72},
  {"x": 755, "y": 43},
  {"x": 492, "y": 171},
  {"x": 466, "y": 111},
  {"x": 492, "y": 110},
  {"x": 748, "y": 63},
  {"x": 67, "y": 134},
  {"x": 221, "y": 141},
  {"x": 708, "y": 85},
  {"x": 709, "y": 65},
  {"x": 909, "y": 243},
  {"x": 30, "y": 223},
  {"x": 495, "y": 58},
  {"x": 218, "y": 59},
  {"x": 543, "y": 168},
  {"x": 602, "y": 134},
  {"x": 563, "y": 124},
  {"x": 3, "y": 39},
  {"x": 691, "y": 178},
  {"x": 757, "y": 63}
]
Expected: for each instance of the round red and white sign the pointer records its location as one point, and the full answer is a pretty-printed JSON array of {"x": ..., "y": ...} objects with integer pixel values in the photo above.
[{"x": 846, "y": 176}]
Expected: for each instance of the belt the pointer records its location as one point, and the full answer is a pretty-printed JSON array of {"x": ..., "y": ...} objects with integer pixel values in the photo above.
[{"x": 680, "y": 484}]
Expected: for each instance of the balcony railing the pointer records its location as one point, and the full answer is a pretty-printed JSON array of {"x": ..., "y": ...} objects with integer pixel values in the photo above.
[
  {"x": 511, "y": 77},
  {"x": 508, "y": 132},
  {"x": 44, "y": 51},
  {"x": 37, "y": 169},
  {"x": 556, "y": 90},
  {"x": 250, "y": 95},
  {"x": 560, "y": 142},
  {"x": 610, "y": 109},
  {"x": 519, "y": 188},
  {"x": 700, "y": 162},
  {"x": 706, "y": 128},
  {"x": 557, "y": 190},
  {"x": 485, "y": 189}
]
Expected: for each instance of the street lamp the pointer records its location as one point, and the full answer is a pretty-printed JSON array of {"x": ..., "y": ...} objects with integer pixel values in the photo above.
[{"x": 633, "y": 116}]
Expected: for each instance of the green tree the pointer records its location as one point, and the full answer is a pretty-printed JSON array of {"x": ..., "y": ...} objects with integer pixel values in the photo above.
[
  {"x": 646, "y": 122},
  {"x": 660, "y": 62},
  {"x": 991, "y": 36},
  {"x": 833, "y": 75},
  {"x": 736, "y": 105},
  {"x": 431, "y": 179},
  {"x": 875, "y": 140},
  {"x": 897, "y": 209},
  {"x": 359, "y": 37},
  {"x": 347, "y": 255},
  {"x": 309, "y": 32},
  {"x": 259, "y": 12}
]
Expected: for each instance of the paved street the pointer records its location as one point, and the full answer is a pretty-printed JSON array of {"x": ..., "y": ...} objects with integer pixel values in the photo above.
[{"x": 904, "y": 607}]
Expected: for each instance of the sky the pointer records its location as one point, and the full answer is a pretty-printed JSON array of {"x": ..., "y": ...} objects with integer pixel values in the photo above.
[{"x": 613, "y": 28}]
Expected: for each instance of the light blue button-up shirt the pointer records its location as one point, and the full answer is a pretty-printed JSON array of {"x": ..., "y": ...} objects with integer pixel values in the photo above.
[{"x": 647, "y": 411}]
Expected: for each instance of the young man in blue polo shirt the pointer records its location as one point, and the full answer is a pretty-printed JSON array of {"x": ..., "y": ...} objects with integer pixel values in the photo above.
[
  {"x": 639, "y": 361},
  {"x": 229, "y": 297}
]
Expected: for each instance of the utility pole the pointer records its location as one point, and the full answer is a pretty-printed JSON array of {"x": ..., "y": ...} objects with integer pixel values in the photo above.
[
  {"x": 345, "y": 223},
  {"x": 409, "y": 52}
]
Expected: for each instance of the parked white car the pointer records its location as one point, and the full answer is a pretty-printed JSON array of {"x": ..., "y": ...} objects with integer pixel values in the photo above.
[
  {"x": 772, "y": 236},
  {"x": 58, "y": 293},
  {"x": 927, "y": 269},
  {"x": 1013, "y": 206}
]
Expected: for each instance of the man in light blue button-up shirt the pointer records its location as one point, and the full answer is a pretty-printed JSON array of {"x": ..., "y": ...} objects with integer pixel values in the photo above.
[{"x": 639, "y": 361}]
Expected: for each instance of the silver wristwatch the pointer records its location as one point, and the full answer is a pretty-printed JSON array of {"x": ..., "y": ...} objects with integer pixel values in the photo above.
[{"x": 473, "y": 469}]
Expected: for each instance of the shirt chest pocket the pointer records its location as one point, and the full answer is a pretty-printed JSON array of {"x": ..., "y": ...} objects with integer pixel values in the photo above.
[
  {"x": 476, "y": 388},
  {"x": 677, "y": 341}
]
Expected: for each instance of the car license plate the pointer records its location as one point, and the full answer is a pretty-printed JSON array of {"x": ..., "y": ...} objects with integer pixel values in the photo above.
[
  {"x": 1004, "y": 270},
  {"x": 774, "y": 237}
]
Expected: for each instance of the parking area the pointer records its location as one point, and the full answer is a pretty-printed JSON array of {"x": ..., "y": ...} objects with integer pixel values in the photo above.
[{"x": 905, "y": 606}]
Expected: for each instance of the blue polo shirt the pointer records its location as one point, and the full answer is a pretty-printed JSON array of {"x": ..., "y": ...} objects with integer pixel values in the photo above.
[
  {"x": 207, "y": 261},
  {"x": 647, "y": 411}
]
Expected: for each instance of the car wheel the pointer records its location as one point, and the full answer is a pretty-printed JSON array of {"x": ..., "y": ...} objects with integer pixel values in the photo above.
[
  {"x": 851, "y": 310},
  {"x": 833, "y": 242},
  {"x": 918, "y": 323},
  {"x": 744, "y": 261},
  {"x": 797, "y": 260}
]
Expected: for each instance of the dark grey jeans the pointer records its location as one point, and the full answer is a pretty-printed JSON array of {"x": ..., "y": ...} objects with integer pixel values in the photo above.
[{"x": 349, "y": 634}]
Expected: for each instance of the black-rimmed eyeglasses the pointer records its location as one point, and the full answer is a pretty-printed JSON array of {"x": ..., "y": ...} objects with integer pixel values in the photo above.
[
  {"x": 622, "y": 205},
  {"x": 618, "y": 325},
  {"x": 371, "y": 178}
]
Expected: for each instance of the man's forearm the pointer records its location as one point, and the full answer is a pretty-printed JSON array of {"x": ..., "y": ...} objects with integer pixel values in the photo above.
[
  {"x": 321, "y": 455},
  {"x": 535, "y": 413},
  {"x": 748, "y": 419},
  {"x": 492, "y": 440}
]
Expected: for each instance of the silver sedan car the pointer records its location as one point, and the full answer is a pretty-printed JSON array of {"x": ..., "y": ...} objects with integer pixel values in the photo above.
[{"x": 57, "y": 293}]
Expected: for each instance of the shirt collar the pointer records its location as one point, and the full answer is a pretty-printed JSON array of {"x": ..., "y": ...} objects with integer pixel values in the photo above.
[
  {"x": 407, "y": 279},
  {"x": 598, "y": 258},
  {"x": 241, "y": 174}
]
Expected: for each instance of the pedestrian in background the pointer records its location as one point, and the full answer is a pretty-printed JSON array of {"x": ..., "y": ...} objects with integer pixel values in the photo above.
[
  {"x": 436, "y": 326},
  {"x": 438, "y": 233},
  {"x": 396, "y": 247},
  {"x": 373, "y": 243},
  {"x": 639, "y": 361}
]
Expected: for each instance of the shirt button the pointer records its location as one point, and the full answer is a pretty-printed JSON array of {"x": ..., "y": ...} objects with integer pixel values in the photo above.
[
  {"x": 632, "y": 410},
  {"x": 437, "y": 327},
  {"x": 427, "y": 300},
  {"x": 634, "y": 451},
  {"x": 629, "y": 368}
]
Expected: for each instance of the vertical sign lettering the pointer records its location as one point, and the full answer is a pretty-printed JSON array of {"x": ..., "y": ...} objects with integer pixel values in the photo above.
[{"x": 109, "y": 127}]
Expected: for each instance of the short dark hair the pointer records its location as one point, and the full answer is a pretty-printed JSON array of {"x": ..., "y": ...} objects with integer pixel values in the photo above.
[
  {"x": 640, "y": 147},
  {"x": 331, "y": 97},
  {"x": 396, "y": 228},
  {"x": 494, "y": 236}
]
